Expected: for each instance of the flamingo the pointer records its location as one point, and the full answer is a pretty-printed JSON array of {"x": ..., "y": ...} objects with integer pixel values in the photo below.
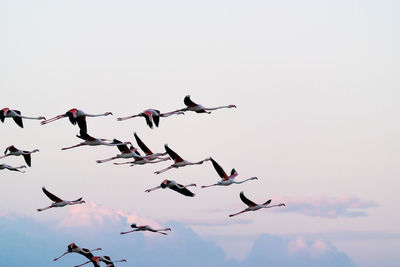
[
  {"x": 76, "y": 116},
  {"x": 126, "y": 152},
  {"x": 106, "y": 259},
  {"x": 253, "y": 206},
  {"x": 58, "y": 202},
  {"x": 16, "y": 115},
  {"x": 192, "y": 106},
  {"x": 152, "y": 115},
  {"x": 13, "y": 151},
  {"x": 178, "y": 161},
  {"x": 149, "y": 154},
  {"x": 226, "y": 180},
  {"x": 73, "y": 248},
  {"x": 174, "y": 186},
  {"x": 92, "y": 141},
  {"x": 146, "y": 228},
  {"x": 139, "y": 160},
  {"x": 8, "y": 167}
]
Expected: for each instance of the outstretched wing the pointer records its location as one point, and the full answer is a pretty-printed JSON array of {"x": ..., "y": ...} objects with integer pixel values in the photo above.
[
  {"x": 142, "y": 145},
  {"x": 122, "y": 147},
  {"x": 219, "y": 170},
  {"x": 51, "y": 196},
  {"x": 27, "y": 158},
  {"x": 82, "y": 123},
  {"x": 156, "y": 118},
  {"x": 86, "y": 252},
  {"x": 2, "y": 117},
  {"x": 267, "y": 202},
  {"x": 188, "y": 102},
  {"x": 182, "y": 190},
  {"x": 148, "y": 121},
  {"x": 18, "y": 120},
  {"x": 71, "y": 117},
  {"x": 172, "y": 154},
  {"x": 246, "y": 201},
  {"x": 84, "y": 135}
]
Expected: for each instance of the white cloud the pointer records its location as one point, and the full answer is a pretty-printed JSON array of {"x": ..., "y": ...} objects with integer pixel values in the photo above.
[
  {"x": 329, "y": 207},
  {"x": 94, "y": 215}
]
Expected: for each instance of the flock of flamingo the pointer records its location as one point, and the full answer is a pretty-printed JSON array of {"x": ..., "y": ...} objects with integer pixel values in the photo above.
[{"x": 127, "y": 151}]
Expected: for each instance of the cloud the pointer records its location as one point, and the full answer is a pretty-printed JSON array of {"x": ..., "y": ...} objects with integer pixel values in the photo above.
[
  {"x": 98, "y": 226},
  {"x": 269, "y": 250},
  {"x": 328, "y": 207},
  {"x": 94, "y": 215}
]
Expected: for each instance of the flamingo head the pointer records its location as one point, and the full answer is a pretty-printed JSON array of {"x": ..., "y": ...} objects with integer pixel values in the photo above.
[
  {"x": 41, "y": 118},
  {"x": 232, "y": 106},
  {"x": 282, "y": 204},
  {"x": 108, "y": 113},
  {"x": 253, "y": 178},
  {"x": 168, "y": 229}
]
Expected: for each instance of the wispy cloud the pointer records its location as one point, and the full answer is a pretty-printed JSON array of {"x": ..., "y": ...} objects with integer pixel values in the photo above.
[{"x": 328, "y": 207}]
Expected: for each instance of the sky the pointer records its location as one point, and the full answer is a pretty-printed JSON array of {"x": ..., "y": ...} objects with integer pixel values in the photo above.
[{"x": 316, "y": 88}]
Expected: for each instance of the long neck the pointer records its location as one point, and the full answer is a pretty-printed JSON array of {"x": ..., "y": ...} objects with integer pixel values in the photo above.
[
  {"x": 271, "y": 206},
  {"x": 74, "y": 202},
  {"x": 217, "y": 107},
  {"x": 31, "y": 118},
  {"x": 109, "y": 261},
  {"x": 162, "y": 159},
  {"x": 189, "y": 185},
  {"x": 165, "y": 229},
  {"x": 199, "y": 162},
  {"x": 240, "y": 182}
]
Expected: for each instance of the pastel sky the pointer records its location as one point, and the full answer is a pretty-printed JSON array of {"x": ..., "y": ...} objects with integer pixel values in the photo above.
[{"x": 317, "y": 90}]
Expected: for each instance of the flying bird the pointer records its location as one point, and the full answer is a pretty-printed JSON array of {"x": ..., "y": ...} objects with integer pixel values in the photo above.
[
  {"x": 253, "y": 206},
  {"x": 58, "y": 202},
  {"x": 225, "y": 179},
  {"x": 137, "y": 228},
  {"x": 192, "y": 106},
  {"x": 126, "y": 152},
  {"x": 152, "y": 116},
  {"x": 106, "y": 259},
  {"x": 8, "y": 167},
  {"x": 149, "y": 154},
  {"x": 76, "y": 116},
  {"x": 140, "y": 160},
  {"x": 174, "y": 186},
  {"x": 92, "y": 141},
  {"x": 178, "y": 161},
  {"x": 16, "y": 115},
  {"x": 13, "y": 151},
  {"x": 73, "y": 248}
]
